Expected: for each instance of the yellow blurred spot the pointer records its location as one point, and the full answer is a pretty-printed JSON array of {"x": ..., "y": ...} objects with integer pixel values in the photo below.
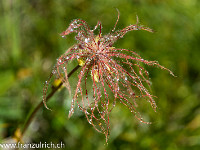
[
  {"x": 17, "y": 134},
  {"x": 97, "y": 38},
  {"x": 81, "y": 62},
  {"x": 4, "y": 125},
  {"x": 57, "y": 82},
  {"x": 96, "y": 76},
  {"x": 24, "y": 73},
  {"x": 195, "y": 123}
]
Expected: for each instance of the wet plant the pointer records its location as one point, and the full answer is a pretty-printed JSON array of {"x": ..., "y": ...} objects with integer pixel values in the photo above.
[{"x": 107, "y": 74}]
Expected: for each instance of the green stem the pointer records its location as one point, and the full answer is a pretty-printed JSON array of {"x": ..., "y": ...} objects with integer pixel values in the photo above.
[{"x": 32, "y": 115}]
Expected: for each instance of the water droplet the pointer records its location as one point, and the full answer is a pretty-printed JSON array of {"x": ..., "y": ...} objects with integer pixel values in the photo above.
[
  {"x": 87, "y": 113},
  {"x": 71, "y": 110},
  {"x": 60, "y": 61},
  {"x": 54, "y": 71},
  {"x": 87, "y": 40}
]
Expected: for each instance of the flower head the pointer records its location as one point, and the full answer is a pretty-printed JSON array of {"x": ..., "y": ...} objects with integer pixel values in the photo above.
[{"x": 105, "y": 69}]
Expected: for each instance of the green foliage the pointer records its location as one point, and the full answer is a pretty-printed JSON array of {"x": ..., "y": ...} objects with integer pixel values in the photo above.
[{"x": 30, "y": 44}]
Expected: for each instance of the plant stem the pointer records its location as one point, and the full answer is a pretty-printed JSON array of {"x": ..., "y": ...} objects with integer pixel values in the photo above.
[{"x": 32, "y": 115}]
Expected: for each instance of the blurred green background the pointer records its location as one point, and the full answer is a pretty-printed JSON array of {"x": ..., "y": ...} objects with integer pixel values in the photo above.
[{"x": 30, "y": 44}]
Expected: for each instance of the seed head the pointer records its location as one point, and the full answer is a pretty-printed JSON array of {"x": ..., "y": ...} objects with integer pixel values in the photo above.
[{"x": 112, "y": 74}]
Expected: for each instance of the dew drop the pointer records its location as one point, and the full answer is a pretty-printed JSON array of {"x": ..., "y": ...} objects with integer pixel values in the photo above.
[
  {"x": 54, "y": 71},
  {"x": 59, "y": 60},
  {"x": 87, "y": 40}
]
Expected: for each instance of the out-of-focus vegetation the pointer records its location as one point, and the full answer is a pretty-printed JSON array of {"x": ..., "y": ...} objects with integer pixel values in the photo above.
[{"x": 30, "y": 44}]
